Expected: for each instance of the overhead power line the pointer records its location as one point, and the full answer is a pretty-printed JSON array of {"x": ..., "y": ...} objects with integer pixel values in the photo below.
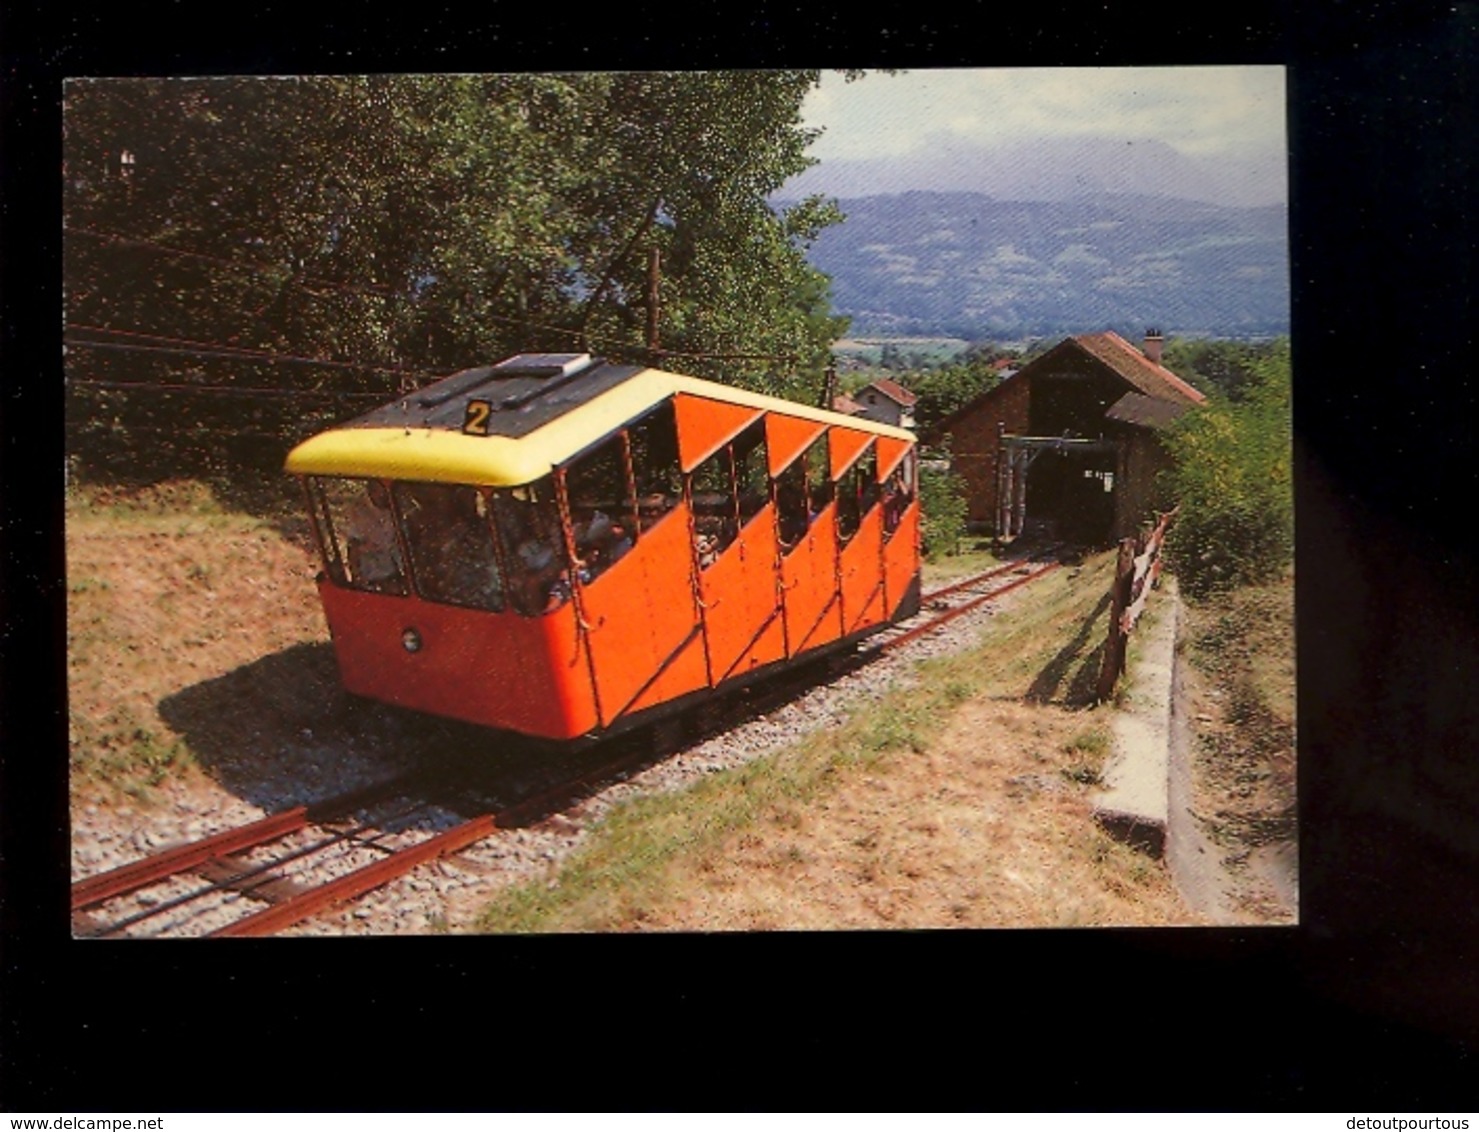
[
  {"x": 189, "y": 347},
  {"x": 788, "y": 358},
  {"x": 225, "y": 390},
  {"x": 307, "y": 283},
  {"x": 76, "y": 429}
]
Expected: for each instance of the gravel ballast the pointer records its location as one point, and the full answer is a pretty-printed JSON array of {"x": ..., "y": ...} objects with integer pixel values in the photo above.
[{"x": 446, "y": 894}]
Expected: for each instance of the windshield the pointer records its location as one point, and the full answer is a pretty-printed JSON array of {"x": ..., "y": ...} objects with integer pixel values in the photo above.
[
  {"x": 476, "y": 547},
  {"x": 450, "y": 538}
]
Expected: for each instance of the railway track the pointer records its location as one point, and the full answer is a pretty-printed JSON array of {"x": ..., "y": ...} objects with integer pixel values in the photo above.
[
  {"x": 290, "y": 866},
  {"x": 940, "y": 607},
  {"x": 264, "y": 877}
]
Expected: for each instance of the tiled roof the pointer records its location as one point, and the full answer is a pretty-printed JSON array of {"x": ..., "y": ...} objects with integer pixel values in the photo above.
[
  {"x": 1151, "y": 412},
  {"x": 1151, "y": 378},
  {"x": 842, "y": 403},
  {"x": 893, "y": 391},
  {"x": 1153, "y": 382}
]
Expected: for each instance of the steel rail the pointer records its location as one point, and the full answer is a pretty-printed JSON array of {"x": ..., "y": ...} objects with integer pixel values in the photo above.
[
  {"x": 346, "y": 888},
  {"x": 95, "y": 890},
  {"x": 1006, "y": 567},
  {"x": 249, "y": 878},
  {"x": 975, "y": 580},
  {"x": 366, "y": 879},
  {"x": 162, "y": 866},
  {"x": 359, "y": 882},
  {"x": 960, "y": 610}
]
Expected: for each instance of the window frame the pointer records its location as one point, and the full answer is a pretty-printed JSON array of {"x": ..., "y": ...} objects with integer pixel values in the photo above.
[
  {"x": 907, "y": 471},
  {"x": 673, "y": 475},
  {"x": 857, "y": 492},
  {"x": 421, "y": 575},
  {"x": 334, "y": 541},
  {"x": 546, "y": 513}
]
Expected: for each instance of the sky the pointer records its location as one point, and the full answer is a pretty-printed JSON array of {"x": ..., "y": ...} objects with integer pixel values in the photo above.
[{"x": 1213, "y": 117}]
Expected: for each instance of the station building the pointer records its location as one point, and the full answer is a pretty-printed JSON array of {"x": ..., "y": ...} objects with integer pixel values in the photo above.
[{"x": 1069, "y": 446}]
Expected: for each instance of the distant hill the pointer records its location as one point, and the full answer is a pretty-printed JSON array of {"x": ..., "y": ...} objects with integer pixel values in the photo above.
[
  {"x": 1054, "y": 169},
  {"x": 967, "y": 264}
]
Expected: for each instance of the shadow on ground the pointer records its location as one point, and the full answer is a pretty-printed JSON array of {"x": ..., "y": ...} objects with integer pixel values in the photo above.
[
  {"x": 281, "y": 732},
  {"x": 1077, "y": 658}
]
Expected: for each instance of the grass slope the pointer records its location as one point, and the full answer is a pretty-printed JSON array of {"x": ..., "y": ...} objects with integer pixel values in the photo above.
[{"x": 958, "y": 800}]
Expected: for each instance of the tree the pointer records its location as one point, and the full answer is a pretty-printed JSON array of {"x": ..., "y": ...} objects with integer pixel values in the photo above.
[
  {"x": 226, "y": 232},
  {"x": 1214, "y": 364},
  {"x": 1232, "y": 479},
  {"x": 943, "y": 507},
  {"x": 942, "y": 391}
]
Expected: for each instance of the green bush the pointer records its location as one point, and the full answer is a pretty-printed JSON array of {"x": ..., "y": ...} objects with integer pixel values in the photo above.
[
  {"x": 942, "y": 500},
  {"x": 1232, "y": 480}
]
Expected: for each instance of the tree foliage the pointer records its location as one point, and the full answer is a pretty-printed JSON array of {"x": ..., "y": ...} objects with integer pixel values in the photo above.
[
  {"x": 942, "y": 391},
  {"x": 1216, "y": 365},
  {"x": 1232, "y": 479},
  {"x": 943, "y": 507},
  {"x": 406, "y": 226}
]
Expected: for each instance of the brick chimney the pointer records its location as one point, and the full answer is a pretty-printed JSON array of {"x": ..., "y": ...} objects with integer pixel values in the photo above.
[{"x": 1153, "y": 343}]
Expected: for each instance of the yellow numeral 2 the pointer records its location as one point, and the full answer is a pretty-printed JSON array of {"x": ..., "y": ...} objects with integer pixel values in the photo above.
[{"x": 476, "y": 420}]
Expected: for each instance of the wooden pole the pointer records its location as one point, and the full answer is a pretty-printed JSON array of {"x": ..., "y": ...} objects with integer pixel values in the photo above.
[
  {"x": 654, "y": 276},
  {"x": 1119, "y": 598},
  {"x": 1004, "y": 491},
  {"x": 829, "y": 386},
  {"x": 1019, "y": 486}
]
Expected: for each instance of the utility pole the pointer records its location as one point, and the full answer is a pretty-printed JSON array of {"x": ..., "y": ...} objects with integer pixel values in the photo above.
[
  {"x": 829, "y": 386},
  {"x": 654, "y": 275}
]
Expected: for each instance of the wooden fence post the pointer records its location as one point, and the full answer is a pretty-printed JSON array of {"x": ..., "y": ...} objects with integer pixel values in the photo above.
[{"x": 1119, "y": 598}]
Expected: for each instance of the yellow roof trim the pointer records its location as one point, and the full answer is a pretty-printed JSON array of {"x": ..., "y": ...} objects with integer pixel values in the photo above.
[
  {"x": 444, "y": 456},
  {"x": 417, "y": 454}
]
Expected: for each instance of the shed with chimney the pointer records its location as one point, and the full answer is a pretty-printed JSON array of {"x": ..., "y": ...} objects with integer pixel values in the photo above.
[{"x": 1069, "y": 446}]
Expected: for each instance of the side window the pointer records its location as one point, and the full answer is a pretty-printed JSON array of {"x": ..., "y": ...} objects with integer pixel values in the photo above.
[
  {"x": 603, "y": 508},
  {"x": 329, "y": 550},
  {"x": 790, "y": 503},
  {"x": 849, "y": 513},
  {"x": 715, "y": 515},
  {"x": 818, "y": 476},
  {"x": 857, "y": 492},
  {"x": 867, "y": 469},
  {"x": 358, "y": 529},
  {"x": 659, "y": 479},
  {"x": 450, "y": 536},
  {"x": 898, "y": 494},
  {"x": 801, "y": 491},
  {"x": 529, "y": 532},
  {"x": 751, "y": 477}
]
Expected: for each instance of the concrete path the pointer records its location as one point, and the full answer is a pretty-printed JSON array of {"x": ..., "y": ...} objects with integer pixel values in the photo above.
[
  {"x": 1146, "y": 798},
  {"x": 1134, "y": 803}
]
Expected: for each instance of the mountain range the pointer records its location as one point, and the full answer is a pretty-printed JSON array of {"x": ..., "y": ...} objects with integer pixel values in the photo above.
[
  {"x": 973, "y": 265},
  {"x": 1055, "y": 169}
]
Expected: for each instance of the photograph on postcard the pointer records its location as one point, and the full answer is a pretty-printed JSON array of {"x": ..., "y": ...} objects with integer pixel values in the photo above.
[{"x": 679, "y": 502}]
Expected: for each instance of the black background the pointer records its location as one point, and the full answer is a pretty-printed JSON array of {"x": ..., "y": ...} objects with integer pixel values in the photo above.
[{"x": 1371, "y": 1005}]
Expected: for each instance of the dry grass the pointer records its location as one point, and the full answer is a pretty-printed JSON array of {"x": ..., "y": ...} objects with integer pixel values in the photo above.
[
  {"x": 984, "y": 829},
  {"x": 960, "y": 802},
  {"x": 197, "y": 650},
  {"x": 165, "y": 590},
  {"x": 1242, "y": 689}
]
